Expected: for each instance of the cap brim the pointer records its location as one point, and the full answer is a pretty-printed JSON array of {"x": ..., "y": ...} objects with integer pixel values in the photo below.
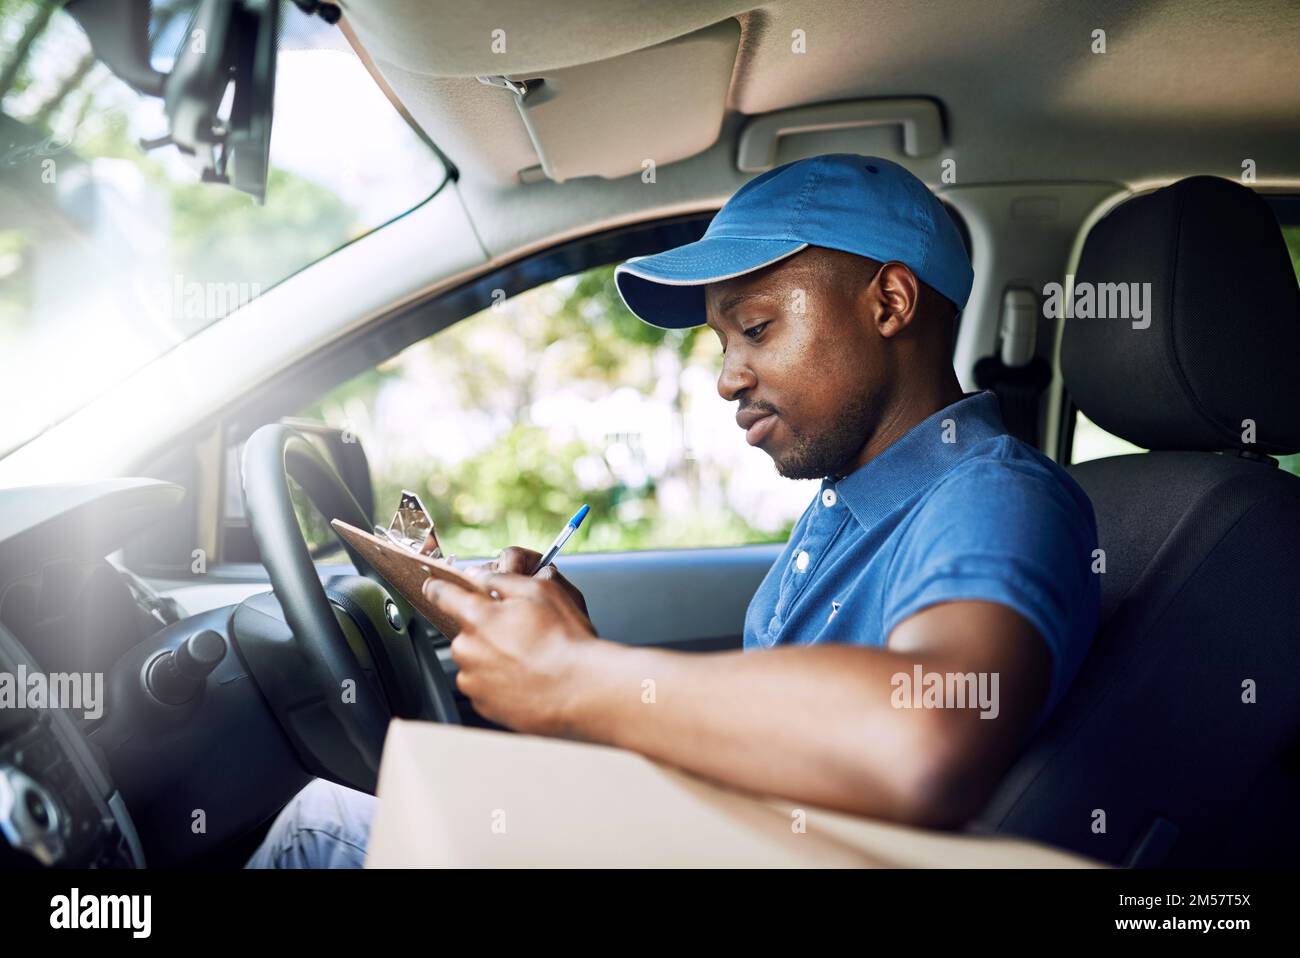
[{"x": 667, "y": 289}]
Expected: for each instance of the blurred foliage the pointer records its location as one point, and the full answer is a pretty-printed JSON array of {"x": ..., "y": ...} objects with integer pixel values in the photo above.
[
  {"x": 315, "y": 529},
  {"x": 519, "y": 491},
  {"x": 217, "y": 233},
  {"x": 301, "y": 223},
  {"x": 1292, "y": 236},
  {"x": 523, "y": 489}
]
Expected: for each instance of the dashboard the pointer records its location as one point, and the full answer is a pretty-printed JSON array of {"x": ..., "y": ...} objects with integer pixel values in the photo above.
[
  {"x": 64, "y": 611},
  {"x": 120, "y": 716},
  {"x": 82, "y": 615}
]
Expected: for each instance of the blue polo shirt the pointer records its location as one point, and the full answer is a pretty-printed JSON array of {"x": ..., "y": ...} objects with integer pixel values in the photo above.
[{"x": 955, "y": 509}]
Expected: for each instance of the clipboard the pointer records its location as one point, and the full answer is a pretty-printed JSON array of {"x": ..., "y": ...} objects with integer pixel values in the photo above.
[{"x": 407, "y": 572}]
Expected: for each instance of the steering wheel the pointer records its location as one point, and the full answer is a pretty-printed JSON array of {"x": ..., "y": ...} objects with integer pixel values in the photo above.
[{"x": 335, "y": 660}]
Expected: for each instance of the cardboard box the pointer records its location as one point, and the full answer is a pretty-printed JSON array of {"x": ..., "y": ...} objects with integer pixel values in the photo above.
[{"x": 452, "y": 796}]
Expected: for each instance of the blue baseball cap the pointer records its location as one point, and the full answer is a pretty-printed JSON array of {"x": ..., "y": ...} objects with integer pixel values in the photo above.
[{"x": 858, "y": 204}]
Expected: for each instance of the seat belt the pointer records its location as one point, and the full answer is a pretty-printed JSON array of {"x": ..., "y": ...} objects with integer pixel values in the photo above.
[{"x": 1016, "y": 375}]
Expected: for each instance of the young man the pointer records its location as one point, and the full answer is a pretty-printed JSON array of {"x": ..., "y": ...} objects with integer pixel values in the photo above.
[{"x": 935, "y": 599}]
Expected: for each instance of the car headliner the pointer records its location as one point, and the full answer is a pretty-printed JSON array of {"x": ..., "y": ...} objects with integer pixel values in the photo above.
[{"x": 1184, "y": 87}]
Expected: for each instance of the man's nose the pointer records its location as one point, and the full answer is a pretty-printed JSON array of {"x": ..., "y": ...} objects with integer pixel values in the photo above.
[{"x": 735, "y": 376}]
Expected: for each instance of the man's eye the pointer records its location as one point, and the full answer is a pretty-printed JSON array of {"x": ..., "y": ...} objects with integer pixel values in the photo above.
[{"x": 754, "y": 330}]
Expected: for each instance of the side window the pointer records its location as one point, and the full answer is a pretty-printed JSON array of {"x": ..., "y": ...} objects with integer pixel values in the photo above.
[
  {"x": 1093, "y": 442},
  {"x": 510, "y": 419}
]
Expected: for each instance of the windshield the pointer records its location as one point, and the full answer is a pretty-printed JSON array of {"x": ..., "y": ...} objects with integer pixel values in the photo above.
[{"x": 111, "y": 254}]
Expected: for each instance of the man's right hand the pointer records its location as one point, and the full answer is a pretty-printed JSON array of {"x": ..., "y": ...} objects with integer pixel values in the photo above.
[{"x": 523, "y": 561}]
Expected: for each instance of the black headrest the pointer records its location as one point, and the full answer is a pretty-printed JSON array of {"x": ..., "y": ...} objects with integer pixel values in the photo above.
[{"x": 1223, "y": 344}]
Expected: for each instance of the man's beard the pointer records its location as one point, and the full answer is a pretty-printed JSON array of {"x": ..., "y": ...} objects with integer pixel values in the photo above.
[{"x": 832, "y": 452}]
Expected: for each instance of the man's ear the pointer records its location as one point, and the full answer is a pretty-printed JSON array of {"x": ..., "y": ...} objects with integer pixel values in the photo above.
[{"x": 898, "y": 294}]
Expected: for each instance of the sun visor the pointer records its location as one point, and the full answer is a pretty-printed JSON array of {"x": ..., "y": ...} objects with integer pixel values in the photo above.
[{"x": 611, "y": 117}]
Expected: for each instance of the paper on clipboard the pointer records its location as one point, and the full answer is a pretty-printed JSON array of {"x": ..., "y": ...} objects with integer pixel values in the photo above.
[{"x": 407, "y": 572}]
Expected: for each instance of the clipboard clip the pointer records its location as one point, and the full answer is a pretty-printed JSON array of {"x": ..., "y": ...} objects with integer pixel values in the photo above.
[{"x": 412, "y": 528}]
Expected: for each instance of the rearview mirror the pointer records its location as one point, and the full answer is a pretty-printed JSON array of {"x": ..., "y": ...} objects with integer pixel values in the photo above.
[{"x": 219, "y": 92}]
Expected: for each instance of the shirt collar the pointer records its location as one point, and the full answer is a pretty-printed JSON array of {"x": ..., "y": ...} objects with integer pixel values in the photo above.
[{"x": 919, "y": 458}]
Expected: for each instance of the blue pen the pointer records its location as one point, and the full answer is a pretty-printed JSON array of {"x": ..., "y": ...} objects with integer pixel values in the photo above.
[{"x": 562, "y": 538}]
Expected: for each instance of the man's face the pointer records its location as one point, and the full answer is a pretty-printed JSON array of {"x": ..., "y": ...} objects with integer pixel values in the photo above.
[{"x": 799, "y": 344}]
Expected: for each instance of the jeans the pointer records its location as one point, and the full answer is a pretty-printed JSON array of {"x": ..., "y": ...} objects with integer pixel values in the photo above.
[{"x": 323, "y": 826}]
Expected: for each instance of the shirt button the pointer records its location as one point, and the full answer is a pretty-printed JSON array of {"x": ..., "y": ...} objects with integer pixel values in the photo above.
[
  {"x": 829, "y": 498},
  {"x": 801, "y": 561}
]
